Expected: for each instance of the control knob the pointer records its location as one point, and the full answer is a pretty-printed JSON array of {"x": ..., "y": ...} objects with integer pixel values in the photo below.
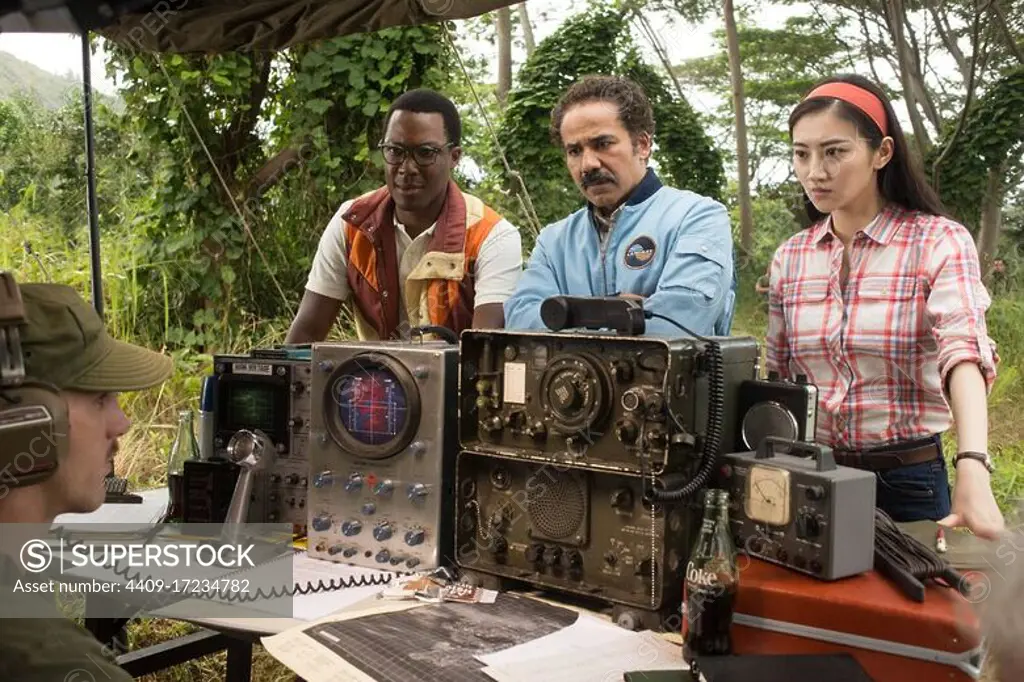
[
  {"x": 414, "y": 537},
  {"x": 622, "y": 498},
  {"x": 626, "y": 431},
  {"x": 354, "y": 482},
  {"x": 656, "y": 438},
  {"x": 383, "y": 556},
  {"x": 418, "y": 491},
  {"x": 351, "y": 527},
  {"x": 572, "y": 560},
  {"x": 383, "y": 531},
  {"x": 321, "y": 522},
  {"x": 323, "y": 478},
  {"x": 385, "y": 487},
  {"x": 622, "y": 371}
]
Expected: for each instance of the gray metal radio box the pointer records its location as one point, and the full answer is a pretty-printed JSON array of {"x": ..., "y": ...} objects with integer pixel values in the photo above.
[
  {"x": 383, "y": 442},
  {"x": 804, "y": 513}
]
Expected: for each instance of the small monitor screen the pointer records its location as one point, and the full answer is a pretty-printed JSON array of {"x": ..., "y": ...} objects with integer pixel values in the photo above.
[
  {"x": 372, "y": 405},
  {"x": 252, "y": 406}
]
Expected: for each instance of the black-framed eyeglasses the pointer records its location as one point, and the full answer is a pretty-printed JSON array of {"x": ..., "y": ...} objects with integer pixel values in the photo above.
[{"x": 424, "y": 155}]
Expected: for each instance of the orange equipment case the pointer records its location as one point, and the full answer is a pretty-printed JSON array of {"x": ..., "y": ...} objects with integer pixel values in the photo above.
[{"x": 895, "y": 639}]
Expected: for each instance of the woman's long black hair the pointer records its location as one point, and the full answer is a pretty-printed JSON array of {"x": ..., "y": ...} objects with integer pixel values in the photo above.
[{"x": 902, "y": 180}]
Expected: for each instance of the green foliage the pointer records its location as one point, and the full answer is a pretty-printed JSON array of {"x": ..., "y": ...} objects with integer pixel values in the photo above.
[
  {"x": 992, "y": 137},
  {"x": 595, "y": 41},
  {"x": 290, "y": 137}
]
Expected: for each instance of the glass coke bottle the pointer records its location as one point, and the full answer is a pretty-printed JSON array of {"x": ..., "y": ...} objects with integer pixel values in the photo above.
[{"x": 710, "y": 585}]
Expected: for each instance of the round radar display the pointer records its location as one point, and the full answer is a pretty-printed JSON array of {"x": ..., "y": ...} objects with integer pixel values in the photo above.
[{"x": 374, "y": 406}]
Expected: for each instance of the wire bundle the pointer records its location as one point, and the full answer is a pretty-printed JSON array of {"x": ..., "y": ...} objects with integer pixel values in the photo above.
[{"x": 908, "y": 562}]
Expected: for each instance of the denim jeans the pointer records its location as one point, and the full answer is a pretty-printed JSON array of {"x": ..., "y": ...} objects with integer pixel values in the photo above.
[{"x": 916, "y": 492}]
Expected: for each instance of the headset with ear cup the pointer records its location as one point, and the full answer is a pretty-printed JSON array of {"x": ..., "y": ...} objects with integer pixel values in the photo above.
[{"x": 33, "y": 415}]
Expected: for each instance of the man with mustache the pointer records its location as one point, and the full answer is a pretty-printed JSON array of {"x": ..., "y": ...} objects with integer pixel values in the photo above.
[
  {"x": 417, "y": 251},
  {"x": 635, "y": 237},
  {"x": 64, "y": 345}
]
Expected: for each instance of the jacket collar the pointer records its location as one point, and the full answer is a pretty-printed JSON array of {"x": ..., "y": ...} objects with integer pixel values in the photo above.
[{"x": 375, "y": 211}]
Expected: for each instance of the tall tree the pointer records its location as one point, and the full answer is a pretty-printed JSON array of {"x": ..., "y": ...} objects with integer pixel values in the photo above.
[
  {"x": 527, "y": 26},
  {"x": 504, "y": 29},
  {"x": 742, "y": 157},
  {"x": 779, "y": 67}
]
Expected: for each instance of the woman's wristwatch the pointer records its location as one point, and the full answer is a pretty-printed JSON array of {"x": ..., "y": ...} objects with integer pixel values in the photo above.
[{"x": 983, "y": 457}]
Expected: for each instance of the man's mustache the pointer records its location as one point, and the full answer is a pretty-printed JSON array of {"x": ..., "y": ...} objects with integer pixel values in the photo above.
[{"x": 595, "y": 177}]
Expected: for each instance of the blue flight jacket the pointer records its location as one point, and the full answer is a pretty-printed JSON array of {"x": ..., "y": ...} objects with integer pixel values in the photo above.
[{"x": 673, "y": 247}]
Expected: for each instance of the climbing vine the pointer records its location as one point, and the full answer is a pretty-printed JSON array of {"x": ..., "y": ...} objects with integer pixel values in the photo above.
[{"x": 992, "y": 138}]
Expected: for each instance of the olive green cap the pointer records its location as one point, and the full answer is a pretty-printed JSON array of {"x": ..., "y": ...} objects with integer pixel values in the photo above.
[{"x": 65, "y": 343}]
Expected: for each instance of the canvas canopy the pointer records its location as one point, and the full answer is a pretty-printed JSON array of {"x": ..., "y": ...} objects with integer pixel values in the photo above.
[{"x": 228, "y": 25}]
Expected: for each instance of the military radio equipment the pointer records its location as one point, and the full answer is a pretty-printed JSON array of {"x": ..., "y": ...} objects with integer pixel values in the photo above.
[
  {"x": 582, "y": 458},
  {"x": 593, "y": 533},
  {"x": 637, "y": 405},
  {"x": 382, "y": 454}
]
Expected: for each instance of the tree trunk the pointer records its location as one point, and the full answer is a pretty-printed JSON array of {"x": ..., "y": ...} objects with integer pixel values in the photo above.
[
  {"x": 895, "y": 19},
  {"x": 504, "y": 54},
  {"x": 524, "y": 19},
  {"x": 1004, "y": 26},
  {"x": 742, "y": 155},
  {"x": 991, "y": 218}
]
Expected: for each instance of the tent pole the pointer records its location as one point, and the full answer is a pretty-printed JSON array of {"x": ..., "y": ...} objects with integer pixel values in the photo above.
[{"x": 90, "y": 179}]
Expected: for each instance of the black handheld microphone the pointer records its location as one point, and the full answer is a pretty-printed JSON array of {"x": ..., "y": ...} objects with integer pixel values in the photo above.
[{"x": 624, "y": 315}]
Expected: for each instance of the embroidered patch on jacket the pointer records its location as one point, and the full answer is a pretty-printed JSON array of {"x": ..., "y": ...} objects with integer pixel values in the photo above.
[{"x": 639, "y": 253}]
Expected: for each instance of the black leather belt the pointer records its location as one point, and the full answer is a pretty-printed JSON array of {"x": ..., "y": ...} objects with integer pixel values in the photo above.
[{"x": 890, "y": 456}]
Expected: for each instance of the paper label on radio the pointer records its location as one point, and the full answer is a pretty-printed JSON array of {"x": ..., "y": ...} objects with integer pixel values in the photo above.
[
  {"x": 515, "y": 382},
  {"x": 262, "y": 368}
]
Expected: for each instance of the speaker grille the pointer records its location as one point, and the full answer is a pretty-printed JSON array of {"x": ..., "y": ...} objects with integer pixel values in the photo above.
[{"x": 557, "y": 504}]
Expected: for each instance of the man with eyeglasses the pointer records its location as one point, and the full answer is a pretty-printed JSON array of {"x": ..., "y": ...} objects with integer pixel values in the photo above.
[{"x": 418, "y": 251}]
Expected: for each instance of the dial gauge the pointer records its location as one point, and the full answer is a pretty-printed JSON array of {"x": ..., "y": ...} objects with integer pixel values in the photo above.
[{"x": 767, "y": 494}]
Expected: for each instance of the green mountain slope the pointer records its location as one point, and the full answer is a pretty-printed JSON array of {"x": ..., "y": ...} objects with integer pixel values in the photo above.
[{"x": 50, "y": 90}]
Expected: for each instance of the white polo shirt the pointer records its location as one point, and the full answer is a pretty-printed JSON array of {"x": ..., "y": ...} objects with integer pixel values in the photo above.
[{"x": 498, "y": 265}]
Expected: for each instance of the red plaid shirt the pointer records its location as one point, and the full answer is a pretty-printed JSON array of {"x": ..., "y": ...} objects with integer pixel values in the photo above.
[{"x": 880, "y": 352}]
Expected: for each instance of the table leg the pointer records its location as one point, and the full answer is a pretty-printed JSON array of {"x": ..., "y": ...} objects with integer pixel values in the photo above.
[{"x": 239, "y": 661}]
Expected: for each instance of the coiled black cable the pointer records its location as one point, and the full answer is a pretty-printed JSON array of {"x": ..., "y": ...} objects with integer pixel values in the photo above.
[
  {"x": 125, "y": 572},
  {"x": 716, "y": 409},
  {"x": 908, "y": 562}
]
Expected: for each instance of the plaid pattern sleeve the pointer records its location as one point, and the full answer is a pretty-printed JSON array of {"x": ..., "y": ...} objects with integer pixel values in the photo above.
[
  {"x": 880, "y": 346},
  {"x": 957, "y": 303}
]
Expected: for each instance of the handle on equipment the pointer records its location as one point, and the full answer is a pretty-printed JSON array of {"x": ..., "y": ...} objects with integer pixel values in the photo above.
[
  {"x": 445, "y": 333},
  {"x": 819, "y": 452}
]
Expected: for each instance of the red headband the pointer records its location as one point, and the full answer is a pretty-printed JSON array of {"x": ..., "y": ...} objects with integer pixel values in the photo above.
[{"x": 858, "y": 97}]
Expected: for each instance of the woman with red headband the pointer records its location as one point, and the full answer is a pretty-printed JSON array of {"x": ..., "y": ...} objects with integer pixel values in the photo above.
[{"x": 881, "y": 305}]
